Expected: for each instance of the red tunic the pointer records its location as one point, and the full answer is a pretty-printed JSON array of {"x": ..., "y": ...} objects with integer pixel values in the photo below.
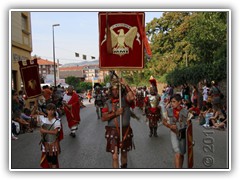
[{"x": 73, "y": 114}]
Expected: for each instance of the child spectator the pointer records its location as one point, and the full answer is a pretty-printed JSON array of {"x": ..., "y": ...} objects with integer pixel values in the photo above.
[
  {"x": 194, "y": 110},
  {"x": 208, "y": 114},
  {"x": 219, "y": 119}
]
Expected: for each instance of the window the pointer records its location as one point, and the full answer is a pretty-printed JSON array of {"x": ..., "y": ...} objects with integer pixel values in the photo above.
[{"x": 24, "y": 23}]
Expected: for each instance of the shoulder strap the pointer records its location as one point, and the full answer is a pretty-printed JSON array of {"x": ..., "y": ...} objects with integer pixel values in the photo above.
[
  {"x": 48, "y": 129},
  {"x": 53, "y": 124}
]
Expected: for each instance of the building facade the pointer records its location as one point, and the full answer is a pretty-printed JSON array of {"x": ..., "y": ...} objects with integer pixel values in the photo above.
[
  {"x": 21, "y": 44},
  {"x": 76, "y": 71},
  {"x": 86, "y": 73},
  {"x": 46, "y": 68}
]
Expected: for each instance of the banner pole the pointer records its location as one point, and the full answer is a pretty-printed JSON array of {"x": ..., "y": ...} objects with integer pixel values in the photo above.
[{"x": 120, "y": 104}]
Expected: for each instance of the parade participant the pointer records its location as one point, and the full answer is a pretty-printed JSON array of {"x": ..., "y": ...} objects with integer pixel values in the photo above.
[
  {"x": 51, "y": 135},
  {"x": 176, "y": 121},
  {"x": 144, "y": 91},
  {"x": 99, "y": 101},
  {"x": 139, "y": 98},
  {"x": 105, "y": 94},
  {"x": 153, "y": 83},
  {"x": 72, "y": 110},
  {"x": 144, "y": 95},
  {"x": 47, "y": 93},
  {"x": 153, "y": 111},
  {"x": 111, "y": 113},
  {"x": 89, "y": 96}
]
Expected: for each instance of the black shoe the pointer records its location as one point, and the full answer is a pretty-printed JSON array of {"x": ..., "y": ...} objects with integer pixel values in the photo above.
[
  {"x": 72, "y": 134},
  {"x": 151, "y": 132},
  {"x": 124, "y": 166},
  {"x": 155, "y": 132}
]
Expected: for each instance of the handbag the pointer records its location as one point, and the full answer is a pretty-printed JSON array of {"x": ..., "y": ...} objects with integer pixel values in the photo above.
[{"x": 182, "y": 133}]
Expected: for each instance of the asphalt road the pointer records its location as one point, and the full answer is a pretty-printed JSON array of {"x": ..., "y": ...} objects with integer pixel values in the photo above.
[{"x": 87, "y": 150}]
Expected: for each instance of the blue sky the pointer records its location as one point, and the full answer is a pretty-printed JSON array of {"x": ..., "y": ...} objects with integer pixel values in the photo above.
[{"x": 78, "y": 32}]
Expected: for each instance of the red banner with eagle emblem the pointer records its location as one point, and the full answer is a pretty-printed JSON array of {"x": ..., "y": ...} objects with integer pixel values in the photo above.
[
  {"x": 30, "y": 77},
  {"x": 121, "y": 44}
]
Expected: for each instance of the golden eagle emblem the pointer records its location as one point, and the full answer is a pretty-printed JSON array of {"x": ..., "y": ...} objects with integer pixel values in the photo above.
[
  {"x": 32, "y": 84},
  {"x": 121, "y": 39}
]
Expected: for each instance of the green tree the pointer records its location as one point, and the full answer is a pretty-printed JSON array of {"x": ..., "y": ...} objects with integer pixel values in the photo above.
[
  {"x": 188, "y": 46},
  {"x": 73, "y": 81},
  {"x": 84, "y": 86}
]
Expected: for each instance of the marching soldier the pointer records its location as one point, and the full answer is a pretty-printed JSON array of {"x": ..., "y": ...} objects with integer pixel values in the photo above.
[
  {"x": 99, "y": 101},
  {"x": 52, "y": 134},
  {"x": 139, "y": 98},
  {"x": 176, "y": 121},
  {"x": 111, "y": 113},
  {"x": 144, "y": 93},
  {"x": 153, "y": 111}
]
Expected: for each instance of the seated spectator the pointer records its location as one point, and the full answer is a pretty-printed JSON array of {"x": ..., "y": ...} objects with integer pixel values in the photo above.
[
  {"x": 219, "y": 119},
  {"x": 16, "y": 106},
  {"x": 207, "y": 115},
  {"x": 30, "y": 117},
  {"x": 194, "y": 110},
  {"x": 186, "y": 103},
  {"x": 15, "y": 129},
  {"x": 201, "y": 116},
  {"x": 24, "y": 125}
]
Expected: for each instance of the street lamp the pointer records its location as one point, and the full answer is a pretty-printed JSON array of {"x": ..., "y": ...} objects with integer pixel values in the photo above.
[{"x": 54, "y": 63}]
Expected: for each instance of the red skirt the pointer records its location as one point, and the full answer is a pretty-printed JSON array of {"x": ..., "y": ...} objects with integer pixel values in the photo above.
[{"x": 113, "y": 139}]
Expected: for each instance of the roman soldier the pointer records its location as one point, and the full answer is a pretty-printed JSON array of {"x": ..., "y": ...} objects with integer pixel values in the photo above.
[
  {"x": 144, "y": 91},
  {"x": 153, "y": 83},
  {"x": 176, "y": 121},
  {"x": 99, "y": 101},
  {"x": 111, "y": 113},
  {"x": 153, "y": 111},
  {"x": 144, "y": 95},
  {"x": 139, "y": 98},
  {"x": 52, "y": 134}
]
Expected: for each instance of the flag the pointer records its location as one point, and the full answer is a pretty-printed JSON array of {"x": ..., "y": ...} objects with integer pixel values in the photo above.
[
  {"x": 76, "y": 54},
  {"x": 116, "y": 51},
  {"x": 144, "y": 37},
  {"x": 30, "y": 78},
  {"x": 84, "y": 57}
]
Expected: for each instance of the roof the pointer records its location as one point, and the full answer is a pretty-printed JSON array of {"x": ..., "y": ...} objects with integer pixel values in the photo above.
[
  {"x": 44, "y": 62},
  {"x": 73, "y": 68},
  {"x": 65, "y": 74}
]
